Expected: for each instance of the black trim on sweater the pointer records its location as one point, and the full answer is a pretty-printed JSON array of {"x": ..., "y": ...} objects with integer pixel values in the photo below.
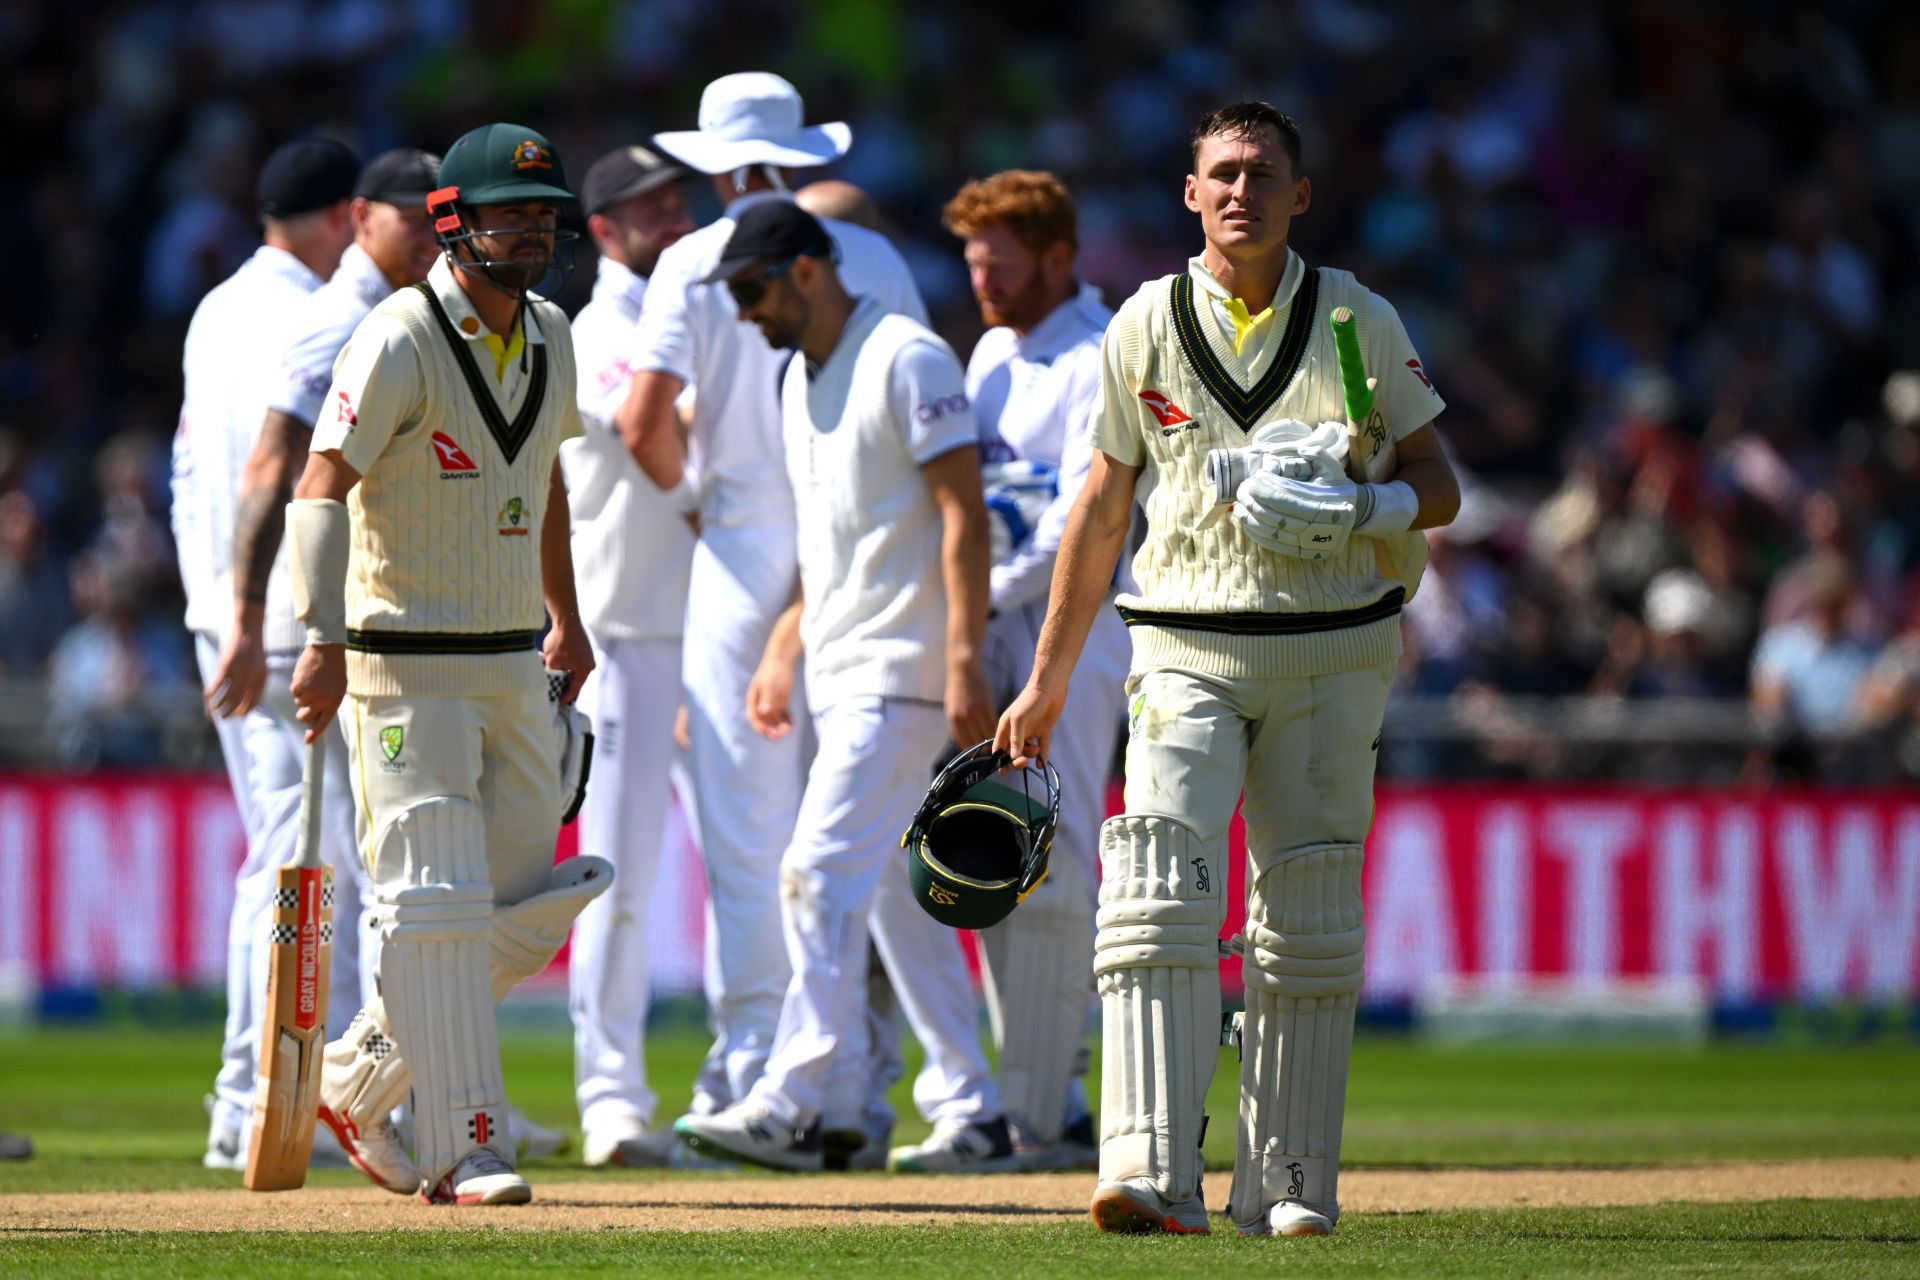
[
  {"x": 510, "y": 436},
  {"x": 442, "y": 642},
  {"x": 1246, "y": 406},
  {"x": 1268, "y": 624}
]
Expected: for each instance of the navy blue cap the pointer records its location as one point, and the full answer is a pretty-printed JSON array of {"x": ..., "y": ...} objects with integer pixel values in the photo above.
[{"x": 304, "y": 175}]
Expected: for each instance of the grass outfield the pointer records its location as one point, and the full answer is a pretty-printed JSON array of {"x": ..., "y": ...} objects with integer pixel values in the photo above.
[
  {"x": 1779, "y": 1238},
  {"x": 119, "y": 1109}
]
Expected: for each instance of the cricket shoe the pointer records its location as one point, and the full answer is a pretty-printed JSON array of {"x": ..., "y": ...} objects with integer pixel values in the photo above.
[
  {"x": 375, "y": 1151},
  {"x": 534, "y": 1141},
  {"x": 748, "y": 1132},
  {"x": 624, "y": 1141},
  {"x": 226, "y": 1143},
  {"x": 960, "y": 1146},
  {"x": 1075, "y": 1151},
  {"x": 1291, "y": 1218},
  {"x": 483, "y": 1177},
  {"x": 1134, "y": 1206},
  {"x": 327, "y": 1152}
]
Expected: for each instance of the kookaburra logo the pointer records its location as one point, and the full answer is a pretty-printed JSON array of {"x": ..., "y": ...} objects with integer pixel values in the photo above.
[
  {"x": 1296, "y": 1180},
  {"x": 1200, "y": 880}
]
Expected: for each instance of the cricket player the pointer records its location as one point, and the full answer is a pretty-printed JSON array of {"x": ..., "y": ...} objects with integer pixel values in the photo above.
[
  {"x": 236, "y": 340},
  {"x": 632, "y": 553},
  {"x": 428, "y": 531},
  {"x": 1263, "y": 648},
  {"x": 1032, "y": 380},
  {"x": 880, "y": 448},
  {"x": 728, "y": 474}
]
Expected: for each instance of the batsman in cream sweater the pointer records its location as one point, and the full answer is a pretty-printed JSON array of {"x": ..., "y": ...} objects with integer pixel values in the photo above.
[
  {"x": 1264, "y": 642},
  {"x": 430, "y": 545}
]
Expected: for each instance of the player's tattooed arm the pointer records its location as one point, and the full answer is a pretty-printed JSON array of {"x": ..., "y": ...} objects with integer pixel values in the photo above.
[{"x": 261, "y": 520}]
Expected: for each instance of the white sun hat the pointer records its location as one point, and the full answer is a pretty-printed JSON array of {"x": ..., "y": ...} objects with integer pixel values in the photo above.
[{"x": 753, "y": 117}]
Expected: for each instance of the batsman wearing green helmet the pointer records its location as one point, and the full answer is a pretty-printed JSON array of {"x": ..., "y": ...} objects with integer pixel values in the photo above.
[
  {"x": 1265, "y": 632},
  {"x": 430, "y": 548}
]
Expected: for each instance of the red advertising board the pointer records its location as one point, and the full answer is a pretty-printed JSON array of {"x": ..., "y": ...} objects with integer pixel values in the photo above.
[{"x": 1758, "y": 894}]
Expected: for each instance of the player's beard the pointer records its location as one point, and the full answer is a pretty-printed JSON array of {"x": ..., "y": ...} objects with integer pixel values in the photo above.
[{"x": 1024, "y": 309}]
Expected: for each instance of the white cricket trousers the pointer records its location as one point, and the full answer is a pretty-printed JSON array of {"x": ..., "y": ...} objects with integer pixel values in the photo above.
[
  {"x": 632, "y": 697},
  {"x": 746, "y": 789},
  {"x": 843, "y": 873},
  {"x": 1039, "y": 960},
  {"x": 264, "y": 753}
]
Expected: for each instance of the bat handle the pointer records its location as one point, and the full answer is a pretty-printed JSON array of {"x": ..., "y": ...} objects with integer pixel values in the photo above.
[
  {"x": 313, "y": 778},
  {"x": 1353, "y": 365}
]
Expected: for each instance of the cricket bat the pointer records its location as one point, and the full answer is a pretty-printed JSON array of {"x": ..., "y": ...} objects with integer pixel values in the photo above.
[
  {"x": 286, "y": 1092},
  {"x": 1402, "y": 557}
]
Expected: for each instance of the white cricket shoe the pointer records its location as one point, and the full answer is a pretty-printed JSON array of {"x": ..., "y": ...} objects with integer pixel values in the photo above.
[
  {"x": 1134, "y": 1206},
  {"x": 327, "y": 1152},
  {"x": 960, "y": 1146},
  {"x": 748, "y": 1132},
  {"x": 625, "y": 1141},
  {"x": 226, "y": 1143},
  {"x": 483, "y": 1177},
  {"x": 375, "y": 1151},
  {"x": 534, "y": 1141},
  {"x": 1075, "y": 1151},
  {"x": 1292, "y": 1218}
]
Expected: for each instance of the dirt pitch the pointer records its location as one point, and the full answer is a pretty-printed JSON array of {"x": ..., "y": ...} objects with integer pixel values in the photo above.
[{"x": 724, "y": 1203}]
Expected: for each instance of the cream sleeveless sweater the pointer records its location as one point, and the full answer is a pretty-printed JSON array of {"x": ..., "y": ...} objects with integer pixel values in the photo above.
[
  {"x": 443, "y": 582},
  {"x": 1241, "y": 610}
]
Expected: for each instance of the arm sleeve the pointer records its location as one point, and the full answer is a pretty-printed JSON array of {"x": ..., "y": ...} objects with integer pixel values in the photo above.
[
  {"x": 299, "y": 386},
  {"x": 1117, "y": 412},
  {"x": 378, "y": 385},
  {"x": 928, "y": 396},
  {"x": 1405, "y": 392},
  {"x": 1028, "y": 575},
  {"x": 665, "y": 340}
]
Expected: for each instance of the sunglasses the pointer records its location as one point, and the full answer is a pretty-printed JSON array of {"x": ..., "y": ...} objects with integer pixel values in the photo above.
[{"x": 749, "y": 291}]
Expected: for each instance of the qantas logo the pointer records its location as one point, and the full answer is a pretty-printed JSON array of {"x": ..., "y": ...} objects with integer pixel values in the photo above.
[
  {"x": 345, "y": 412},
  {"x": 1171, "y": 416},
  {"x": 1413, "y": 366},
  {"x": 454, "y": 462}
]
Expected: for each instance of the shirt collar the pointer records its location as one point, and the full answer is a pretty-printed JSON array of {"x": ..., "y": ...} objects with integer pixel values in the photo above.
[
  {"x": 1289, "y": 279},
  {"x": 614, "y": 282},
  {"x": 865, "y": 307},
  {"x": 466, "y": 321},
  {"x": 284, "y": 264},
  {"x": 359, "y": 271},
  {"x": 1057, "y": 323}
]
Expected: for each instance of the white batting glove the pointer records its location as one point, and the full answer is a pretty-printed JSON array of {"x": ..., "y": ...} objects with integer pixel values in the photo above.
[{"x": 1293, "y": 517}]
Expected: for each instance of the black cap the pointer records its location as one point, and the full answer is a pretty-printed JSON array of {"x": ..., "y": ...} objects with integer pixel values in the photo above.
[
  {"x": 304, "y": 175},
  {"x": 401, "y": 176},
  {"x": 624, "y": 173},
  {"x": 772, "y": 229}
]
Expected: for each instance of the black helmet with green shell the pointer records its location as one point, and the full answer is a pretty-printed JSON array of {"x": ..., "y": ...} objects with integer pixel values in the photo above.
[{"x": 980, "y": 842}]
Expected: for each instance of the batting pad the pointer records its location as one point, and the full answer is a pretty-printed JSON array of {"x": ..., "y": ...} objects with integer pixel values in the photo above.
[
  {"x": 1156, "y": 960},
  {"x": 1305, "y": 960},
  {"x": 434, "y": 978},
  {"x": 1039, "y": 970},
  {"x": 526, "y": 936}
]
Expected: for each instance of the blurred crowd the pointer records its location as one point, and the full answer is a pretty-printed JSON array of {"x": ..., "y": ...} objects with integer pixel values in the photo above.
[{"x": 1663, "y": 259}]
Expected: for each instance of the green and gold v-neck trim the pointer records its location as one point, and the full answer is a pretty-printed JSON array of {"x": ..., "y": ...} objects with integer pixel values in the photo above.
[
  {"x": 1247, "y": 406},
  {"x": 510, "y": 436}
]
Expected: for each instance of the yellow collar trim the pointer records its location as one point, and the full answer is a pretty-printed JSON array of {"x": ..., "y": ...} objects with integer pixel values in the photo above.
[
  {"x": 1243, "y": 324},
  {"x": 505, "y": 353}
]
